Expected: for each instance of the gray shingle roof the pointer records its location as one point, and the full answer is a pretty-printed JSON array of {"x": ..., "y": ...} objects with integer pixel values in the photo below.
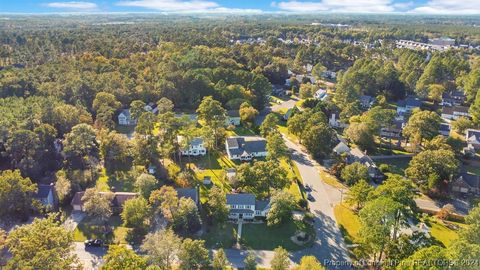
[
  {"x": 187, "y": 193},
  {"x": 241, "y": 211},
  {"x": 250, "y": 144},
  {"x": 43, "y": 191},
  {"x": 261, "y": 205},
  {"x": 243, "y": 199}
]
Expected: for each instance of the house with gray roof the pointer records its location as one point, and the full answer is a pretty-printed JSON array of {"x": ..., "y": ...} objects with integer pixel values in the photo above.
[
  {"x": 190, "y": 193},
  {"x": 233, "y": 118},
  {"x": 46, "y": 195},
  {"x": 125, "y": 119},
  {"x": 472, "y": 136},
  {"x": 466, "y": 183},
  {"x": 246, "y": 207},
  {"x": 195, "y": 147},
  {"x": 245, "y": 147}
]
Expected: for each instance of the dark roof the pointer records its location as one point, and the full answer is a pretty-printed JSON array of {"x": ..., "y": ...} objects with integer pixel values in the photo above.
[
  {"x": 43, "y": 191},
  {"x": 249, "y": 144},
  {"x": 187, "y": 193},
  {"x": 444, "y": 127},
  {"x": 410, "y": 102},
  {"x": 473, "y": 136},
  {"x": 118, "y": 199},
  {"x": 233, "y": 113},
  {"x": 470, "y": 179},
  {"x": 243, "y": 199},
  {"x": 451, "y": 110},
  {"x": 261, "y": 205}
]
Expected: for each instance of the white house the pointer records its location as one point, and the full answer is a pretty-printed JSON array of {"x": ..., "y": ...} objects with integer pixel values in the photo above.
[
  {"x": 45, "y": 195},
  {"x": 408, "y": 105},
  {"x": 195, "y": 147},
  {"x": 472, "y": 136},
  {"x": 245, "y": 147},
  {"x": 245, "y": 206},
  {"x": 125, "y": 119},
  {"x": 453, "y": 113},
  {"x": 233, "y": 118},
  {"x": 321, "y": 94}
]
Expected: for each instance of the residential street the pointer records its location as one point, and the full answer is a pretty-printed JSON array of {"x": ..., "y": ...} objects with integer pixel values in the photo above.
[
  {"x": 90, "y": 257},
  {"x": 329, "y": 247}
]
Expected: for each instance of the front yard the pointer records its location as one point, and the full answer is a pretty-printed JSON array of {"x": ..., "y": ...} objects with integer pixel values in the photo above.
[
  {"x": 220, "y": 236},
  {"x": 262, "y": 237},
  {"x": 88, "y": 230}
]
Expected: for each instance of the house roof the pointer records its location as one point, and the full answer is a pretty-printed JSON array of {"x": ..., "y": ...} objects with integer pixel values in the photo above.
[
  {"x": 125, "y": 112},
  {"x": 452, "y": 110},
  {"x": 118, "y": 199},
  {"x": 246, "y": 145},
  {"x": 243, "y": 199},
  {"x": 473, "y": 136},
  {"x": 262, "y": 204},
  {"x": 444, "y": 127},
  {"x": 43, "y": 191},
  {"x": 341, "y": 148},
  {"x": 193, "y": 142},
  {"x": 471, "y": 180},
  {"x": 410, "y": 102},
  {"x": 187, "y": 193},
  {"x": 233, "y": 113},
  {"x": 241, "y": 211}
]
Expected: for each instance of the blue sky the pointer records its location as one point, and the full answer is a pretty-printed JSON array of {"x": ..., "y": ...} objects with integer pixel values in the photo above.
[{"x": 244, "y": 6}]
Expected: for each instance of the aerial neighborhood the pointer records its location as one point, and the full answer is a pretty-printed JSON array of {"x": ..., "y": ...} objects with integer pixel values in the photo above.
[{"x": 175, "y": 141}]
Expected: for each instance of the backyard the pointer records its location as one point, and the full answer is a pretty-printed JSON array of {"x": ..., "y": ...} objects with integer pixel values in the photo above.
[{"x": 87, "y": 229}]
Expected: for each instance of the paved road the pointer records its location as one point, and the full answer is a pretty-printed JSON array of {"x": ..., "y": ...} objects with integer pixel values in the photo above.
[
  {"x": 329, "y": 246},
  {"x": 91, "y": 257}
]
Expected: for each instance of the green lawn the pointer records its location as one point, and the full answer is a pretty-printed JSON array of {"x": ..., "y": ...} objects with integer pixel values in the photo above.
[
  {"x": 348, "y": 222},
  {"x": 121, "y": 181},
  {"x": 260, "y": 236},
  {"x": 397, "y": 166},
  {"x": 224, "y": 236},
  {"x": 87, "y": 230},
  {"x": 240, "y": 131},
  {"x": 442, "y": 233}
]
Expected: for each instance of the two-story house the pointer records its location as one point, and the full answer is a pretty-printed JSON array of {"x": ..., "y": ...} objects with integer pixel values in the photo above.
[
  {"x": 233, "y": 118},
  {"x": 125, "y": 119},
  {"x": 195, "y": 147},
  {"x": 455, "y": 112},
  {"x": 245, "y": 147},
  {"x": 246, "y": 207},
  {"x": 407, "y": 106}
]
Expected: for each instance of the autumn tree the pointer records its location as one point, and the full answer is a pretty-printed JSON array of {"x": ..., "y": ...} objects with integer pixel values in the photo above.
[
  {"x": 162, "y": 248},
  {"x": 247, "y": 114}
]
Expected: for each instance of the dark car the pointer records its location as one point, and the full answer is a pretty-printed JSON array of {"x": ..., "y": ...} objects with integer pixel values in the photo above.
[
  {"x": 310, "y": 197},
  {"x": 308, "y": 188},
  {"x": 93, "y": 243}
]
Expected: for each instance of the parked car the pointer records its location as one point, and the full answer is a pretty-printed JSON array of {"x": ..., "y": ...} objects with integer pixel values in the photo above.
[
  {"x": 308, "y": 188},
  {"x": 310, "y": 197},
  {"x": 93, "y": 243}
]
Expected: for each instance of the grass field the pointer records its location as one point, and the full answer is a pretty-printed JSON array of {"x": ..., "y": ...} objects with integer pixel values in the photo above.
[
  {"x": 348, "y": 222},
  {"x": 444, "y": 234},
  {"x": 88, "y": 230},
  {"x": 120, "y": 181},
  {"x": 397, "y": 166},
  {"x": 224, "y": 236},
  {"x": 260, "y": 236}
]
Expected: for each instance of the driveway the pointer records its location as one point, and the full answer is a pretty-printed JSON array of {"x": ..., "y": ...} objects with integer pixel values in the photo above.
[
  {"x": 73, "y": 220},
  {"x": 90, "y": 257}
]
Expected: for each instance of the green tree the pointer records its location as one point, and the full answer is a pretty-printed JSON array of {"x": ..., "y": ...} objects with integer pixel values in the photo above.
[
  {"x": 354, "y": 172},
  {"x": 358, "y": 193},
  {"x": 307, "y": 90},
  {"x": 250, "y": 262},
  {"x": 269, "y": 125},
  {"x": 217, "y": 205},
  {"x": 247, "y": 114},
  {"x": 116, "y": 151},
  {"x": 213, "y": 115},
  {"x": 319, "y": 140},
  {"x": 43, "y": 244},
  {"x": 97, "y": 205},
  {"x": 63, "y": 186},
  {"x": 398, "y": 189},
  {"x": 165, "y": 105},
  {"x": 186, "y": 217},
  {"x": 362, "y": 135},
  {"x": 16, "y": 194},
  {"x": 262, "y": 176},
  {"x": 146, "y": 124},
  {"x": 431, "y": 167},
  {"x": 281, "y": 205},
  {"x": 309, "y": 263},
  {"x": 318, "y": 70},
  {"x": 280, "y": 260},
  {"x": 145, "y": 184},
  {"x": 137, "y": 107},
  {"x": 462, "y": 124},
  {"x": 219, "y": 261},
  {"x": 81, "y": 147},
  {"x": 22, "y": 147},
  {"x": 276, "y": 147},
  {"x": 193, "y": 255},
  {"x": 119, "y": 257},
  {"x": 422, "y": 125},
  {"x": 475, "y": 109},
  {"x": 136, "y": 213},
  {"x": 162, "y": 248},
  {"x": 428, "y": 258}
]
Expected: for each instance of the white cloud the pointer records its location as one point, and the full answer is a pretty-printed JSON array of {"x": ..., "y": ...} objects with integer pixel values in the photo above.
[
  {"x": 449, "y": 7},
  {"x": 172, "y": 5},
  {"x": 73, "y": 5},
  {"x": 337, "y": 6}
]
